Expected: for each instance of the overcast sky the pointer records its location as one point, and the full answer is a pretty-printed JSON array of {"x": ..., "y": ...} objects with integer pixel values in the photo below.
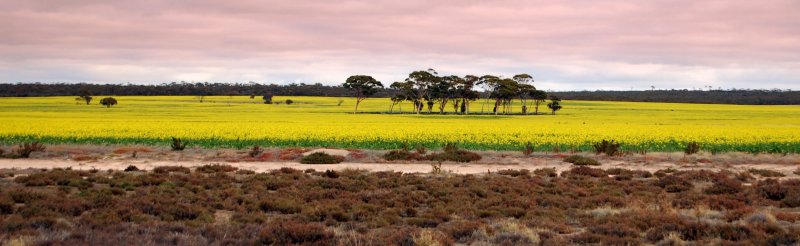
[{"x": 565, "y": 45}]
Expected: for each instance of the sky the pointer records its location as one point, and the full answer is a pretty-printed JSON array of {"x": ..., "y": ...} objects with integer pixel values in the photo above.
[{"x": 564, "y": 45}]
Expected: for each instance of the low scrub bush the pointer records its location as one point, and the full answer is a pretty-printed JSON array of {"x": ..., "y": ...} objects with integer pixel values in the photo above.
[
  {"x": 586, "y": 171},
  {"x": 216, "y": 168},
  {"x": 673, "y": 183},
  {"x": 286, "y": 232},
  {"x": 131, "y": 168},
  {"x": 255, "y": 151},
  {"x": 765, "y": 173},
  {"x": 26, "y": 149},
  {"x": 528, "y": 149},
  {"x": 171, "y": 169},
  {"x": 610, "y": 148},
  {"x": 453, "y": 153},
  {"x": 581, "y": 161},
  {"x": 546, "y": 172},
  {"x": 725, "y": 186},
  {"x": 321, "y": 158},
  {"x": 691, "y": 148},
  {"x": 178, "y": 145}
]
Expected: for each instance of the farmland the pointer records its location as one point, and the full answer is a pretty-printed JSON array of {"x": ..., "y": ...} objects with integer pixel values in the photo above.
[{"x": 238, "y": 121}]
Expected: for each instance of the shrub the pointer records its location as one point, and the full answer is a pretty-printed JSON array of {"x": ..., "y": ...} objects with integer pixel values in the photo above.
[
  {"x": 280, "y": 205},
  {"x": 108, "y": 102},
  {"x": 178, "y": 145},
  {"x": 672, "y": 183},
  {"x": 288, "y": 232},
  {"x": 581, "y": 161},
  {"x": 586, "y": 171},
  {"x": 609, "y": 148},
  {"x": 766, "y": 173},
  {"x": 289, "y": 101},
  {"x": 131, "y": 168},
  {"x": 321, "y": 158},
  {"x": 399, "y": 154},
  {"x": 255, "y": 151},
  {"x": 171, "y": 169},
  {"x": 216, "y": 168},
  {"x": 528, "y": 150},
  {"x": 24, "y": 150},
  {"x": 6, "y": 205},
  {"x": 546, "y": 172},
  {"x": 725, "y": 186},
  {"x": 420, "y": 149},
  {"x": 692, "y": 148},
  {"x": 453, "y": 153}
]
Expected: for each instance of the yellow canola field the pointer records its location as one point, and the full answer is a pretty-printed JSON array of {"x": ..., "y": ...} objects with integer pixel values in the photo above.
[{"x": 239, "y": 121}]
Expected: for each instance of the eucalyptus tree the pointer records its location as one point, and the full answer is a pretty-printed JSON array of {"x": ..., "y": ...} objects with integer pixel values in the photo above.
[
  {"x": 524, "y": 87},
  {"x": 489, "y": 84},
  {"x": 467, "y": 93},
  {"x": 422, "y": 82},
  {"x": 362, "y": 86},
  {"x": 555, "y": 104},
  {"x": 538, "y": 96}
]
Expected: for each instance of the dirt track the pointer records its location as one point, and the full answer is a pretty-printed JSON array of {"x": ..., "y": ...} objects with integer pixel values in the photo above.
[{"x": 458, "y": 168}]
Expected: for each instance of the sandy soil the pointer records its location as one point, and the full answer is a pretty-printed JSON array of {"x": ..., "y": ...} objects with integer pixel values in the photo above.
[{"x": 85, "y": 157}]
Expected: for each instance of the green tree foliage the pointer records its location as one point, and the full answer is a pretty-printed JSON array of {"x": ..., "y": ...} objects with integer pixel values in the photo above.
[
  {"x": 362, "y": 86},
  {"x": 108, "y": 102}
]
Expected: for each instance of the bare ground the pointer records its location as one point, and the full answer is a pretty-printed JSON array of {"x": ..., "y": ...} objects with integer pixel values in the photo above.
[{"x": 84, "y": 157}]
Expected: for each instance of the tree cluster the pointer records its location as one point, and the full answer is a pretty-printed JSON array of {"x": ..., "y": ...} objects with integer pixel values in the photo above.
[{"x": 426, "y": 89}]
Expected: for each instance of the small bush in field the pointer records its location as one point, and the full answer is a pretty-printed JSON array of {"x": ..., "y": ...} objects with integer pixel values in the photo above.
[
  {"x": 255, "y": 151},
  {"x": 546, "y": 172},
  {"x": 766, "y": 173},
  {"x": 295, "y": 233},
  {"x": 692, "y": 148},
  {"x": 398, "y": 154},
  {"x": 283, "y": 206},
  {"x": 171, "y": 169},
  {"x": 178, "y": 145},
  {"x": 131, "y": 168},
  {"x": 528, "y": 150},
  {"x": 24, "y": 150},
  {"x": 605, "y": 147},
  {"x": 453, "y": 153},
  {"x": 725, "y": 186},
  {"x": 586, "y": 171},
  {"x": 215, "y": 168},
  {"x": 672, "y": 183},
  {"x": 581, "y": 161},
  {"x": 321, "y": 158}
]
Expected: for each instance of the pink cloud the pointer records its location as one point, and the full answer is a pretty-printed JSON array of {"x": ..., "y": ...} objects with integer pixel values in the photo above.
[{"x": 348, "y": 35}]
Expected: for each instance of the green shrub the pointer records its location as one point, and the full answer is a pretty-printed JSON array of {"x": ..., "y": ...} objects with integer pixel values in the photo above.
[
  {"x": 581, "y": 161},
  {"x": 609, "y": 148},
  {"x": 321, "y": 158}
]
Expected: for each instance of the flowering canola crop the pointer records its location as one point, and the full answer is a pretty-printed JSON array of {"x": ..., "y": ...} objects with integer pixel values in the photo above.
[{"x": 239, "y": 121}]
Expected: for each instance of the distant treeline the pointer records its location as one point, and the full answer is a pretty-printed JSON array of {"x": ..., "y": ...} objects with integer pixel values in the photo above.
[
  {"x": 751, "y": 97},
  {"x": 176, "y": 89},
  {"x": 755, "y": 97}
]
